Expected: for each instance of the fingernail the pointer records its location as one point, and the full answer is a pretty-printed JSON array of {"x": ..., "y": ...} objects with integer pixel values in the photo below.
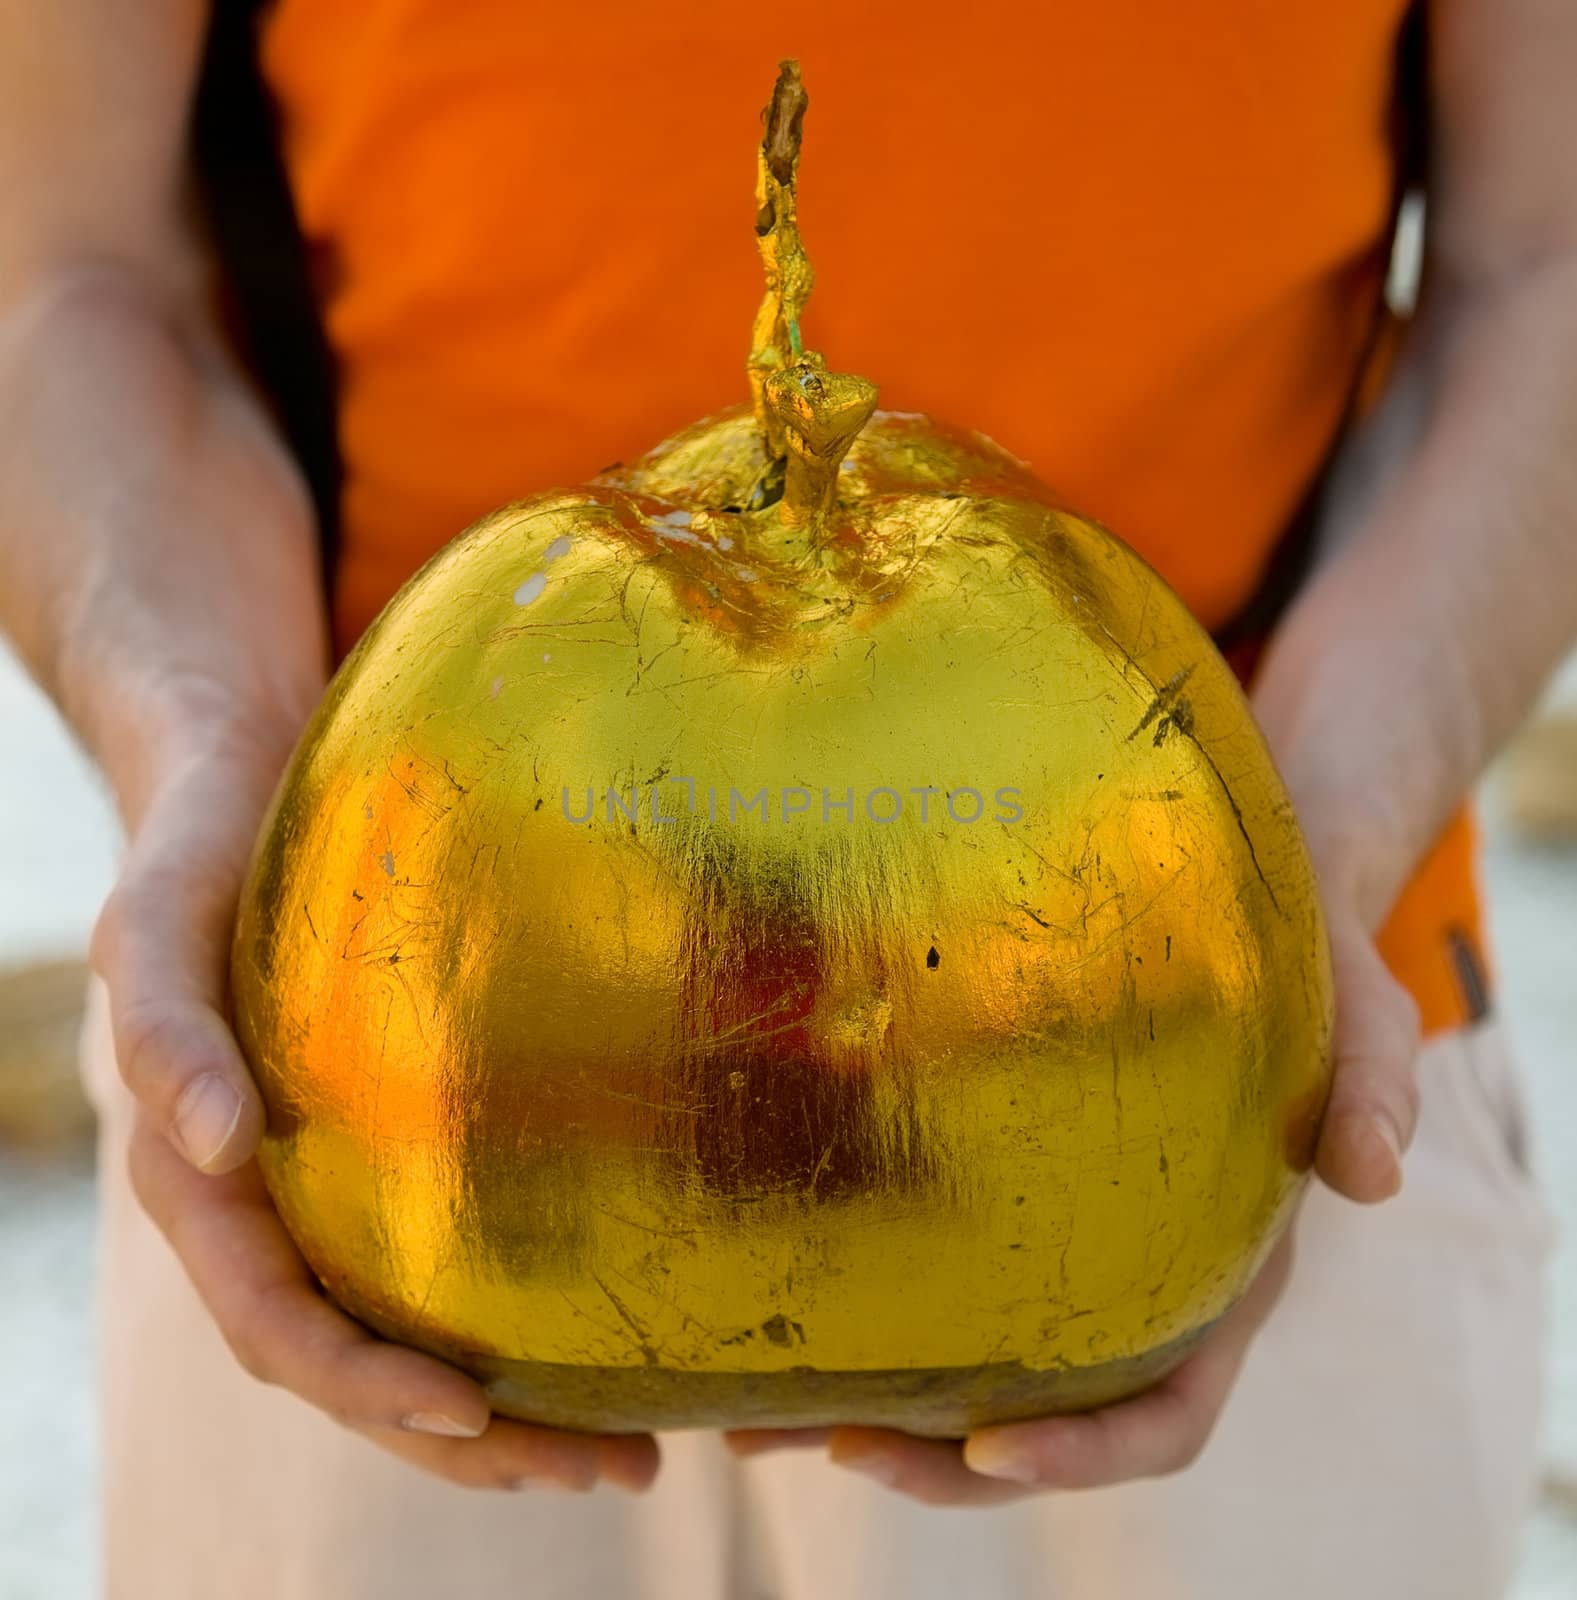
[
  {"x": 579, "y": 1478},
  {"x": 879, "y": 1468},
  {"x": 1390, "y": 1136},
  {"x": 445, "y": 1427},
  {"x": 999, "y": 1458},
  {"x": 205, "y": 1117},
  {"x": 548, "y": 1480},
  {"x": 757, "y": 1441}
]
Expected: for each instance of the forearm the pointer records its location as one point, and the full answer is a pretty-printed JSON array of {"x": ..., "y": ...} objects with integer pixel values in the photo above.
[
  {"x": 1448, "y": 591},
  {"x": 157, "y": 564}
]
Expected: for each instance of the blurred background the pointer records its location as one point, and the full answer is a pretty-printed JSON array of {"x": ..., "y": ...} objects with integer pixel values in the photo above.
[{"x": 58, "y": 843}]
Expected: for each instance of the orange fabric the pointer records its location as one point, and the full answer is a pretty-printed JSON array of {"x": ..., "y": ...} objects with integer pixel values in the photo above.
[
  {"x": 1439, "y": 914},
  {"x": 1140, "y": 248}
]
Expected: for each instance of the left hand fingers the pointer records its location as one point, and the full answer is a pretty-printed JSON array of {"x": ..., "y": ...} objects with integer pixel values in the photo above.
[
  {"x": 1369, "y": 1122},
  {"x": 1159, "y": 1431}
]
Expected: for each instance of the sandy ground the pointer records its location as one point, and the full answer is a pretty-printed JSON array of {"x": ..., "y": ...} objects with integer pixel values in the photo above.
[{"x": 57, "y": 846}]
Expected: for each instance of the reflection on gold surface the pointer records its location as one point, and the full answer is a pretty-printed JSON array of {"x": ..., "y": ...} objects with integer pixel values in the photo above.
[{"x": 619, "y": 1048}]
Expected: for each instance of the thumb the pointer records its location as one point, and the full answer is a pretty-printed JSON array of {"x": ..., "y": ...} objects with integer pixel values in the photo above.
[
  {"x": 1373, "y": 1108},
  {"x": 162, "y": 946}
]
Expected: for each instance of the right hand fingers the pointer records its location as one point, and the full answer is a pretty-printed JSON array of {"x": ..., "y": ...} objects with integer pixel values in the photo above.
[
  {"x": 162, "y": 945},
  {"x": 1373, "y": 1107},
  {"x": 283, "y": 1331}
]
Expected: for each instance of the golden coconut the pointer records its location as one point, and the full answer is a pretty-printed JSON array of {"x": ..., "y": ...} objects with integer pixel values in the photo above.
[{"x": 803, "y": 928}]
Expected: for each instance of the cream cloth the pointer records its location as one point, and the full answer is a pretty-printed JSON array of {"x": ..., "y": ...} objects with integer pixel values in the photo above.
[{"x": 1381, "y": 1442}]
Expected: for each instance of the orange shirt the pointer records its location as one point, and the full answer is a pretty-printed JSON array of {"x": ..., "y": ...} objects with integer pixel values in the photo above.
[{"x": 1140, "y": 248}]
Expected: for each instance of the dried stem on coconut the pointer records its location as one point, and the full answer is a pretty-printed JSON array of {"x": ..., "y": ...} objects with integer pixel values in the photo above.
[{"x": 808, "y": 416}]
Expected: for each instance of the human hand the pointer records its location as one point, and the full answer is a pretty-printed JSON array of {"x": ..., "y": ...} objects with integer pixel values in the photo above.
[
  {"x": 1159, "y": 1431},
  {"x": 162, "y": 946},
  {"x": 162, "y": 582},
  {"x": 1368, "y": 1123}
]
